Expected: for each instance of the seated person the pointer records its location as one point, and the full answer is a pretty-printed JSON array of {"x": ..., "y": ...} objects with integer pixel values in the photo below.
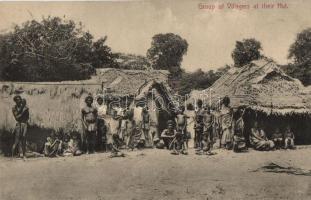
[
  {"x": 115, "y": 146},
  {"x": 73, "y": 146},
  {"x": 168, "y": 135},
  {"x": 52, "y": 147},
  {"x": 259, "y": 140},
  {"x": 277, "y": 138},
  {"x": 289, "y": 139}
]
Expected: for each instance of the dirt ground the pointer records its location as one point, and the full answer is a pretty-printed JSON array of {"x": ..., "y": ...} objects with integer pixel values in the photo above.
[{"x": 155, "y": 174}]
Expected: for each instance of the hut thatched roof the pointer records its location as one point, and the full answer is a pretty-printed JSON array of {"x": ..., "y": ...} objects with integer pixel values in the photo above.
[
  {"x": 261, "y": 85},
  {"x": 127, "y": 82},
  {"x": 163, "y": 90}
]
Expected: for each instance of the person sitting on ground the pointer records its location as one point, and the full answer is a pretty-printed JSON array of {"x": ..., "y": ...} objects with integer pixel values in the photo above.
[
  {"x": 115, "y": 146},
  {"x": 52, "y": 147},
  {"x": 289, "y": 139},
  {"x": 168, "y": 135},
  {"x": 259, "y": 140},
  {"x": 181, "y": 126},
  {"x": 73, "y": 148},
  {"x": 277, "y": 138},
  {"x": 239, "y": 142}
]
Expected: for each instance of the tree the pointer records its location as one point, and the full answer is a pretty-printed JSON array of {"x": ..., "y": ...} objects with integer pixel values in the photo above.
[
  {"x": 246, "y": 51},
  {"x": 300, "y": 52},
  {"x": 53, "y": 49},
  {"x": 166, "y": 52},
  {"x": 132, "y": 61},
  {"x": 199, "y": 80}
]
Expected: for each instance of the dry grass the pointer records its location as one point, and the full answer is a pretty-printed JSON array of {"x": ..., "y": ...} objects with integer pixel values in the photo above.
[{"x": 52, "y": 107}]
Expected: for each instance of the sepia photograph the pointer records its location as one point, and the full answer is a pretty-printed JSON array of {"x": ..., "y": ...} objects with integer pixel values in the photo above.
[{"x": 155, "y": 100}]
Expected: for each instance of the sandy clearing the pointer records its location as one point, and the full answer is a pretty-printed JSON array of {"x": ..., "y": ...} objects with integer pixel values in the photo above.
[{"x": 155, "y": 174}]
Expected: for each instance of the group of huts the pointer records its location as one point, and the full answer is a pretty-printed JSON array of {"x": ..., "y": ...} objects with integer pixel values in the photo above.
[
  {"x": 56, "y": 106},
  {"x": 269, "y": 95}
]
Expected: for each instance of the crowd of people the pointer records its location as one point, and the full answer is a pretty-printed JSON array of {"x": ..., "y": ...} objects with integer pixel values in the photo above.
[{"x": 108, "y": 131}]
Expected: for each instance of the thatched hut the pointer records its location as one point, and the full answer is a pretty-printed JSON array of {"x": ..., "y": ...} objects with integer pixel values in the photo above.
[
  {"x": 269, "y": 95},
  {"x": 160, "y": 101}
]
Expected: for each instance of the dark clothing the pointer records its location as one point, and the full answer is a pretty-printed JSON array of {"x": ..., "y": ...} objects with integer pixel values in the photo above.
[
  {"x": 239, "y": 142},
  {"x": 101, "y": 139},
  {"x": 21, "y": 114},
  {"x": 199, "y": 128}
]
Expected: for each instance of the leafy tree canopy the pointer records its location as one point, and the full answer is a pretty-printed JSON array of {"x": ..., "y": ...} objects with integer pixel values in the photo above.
[
  {"x": 199, "y": 80},
  {"x": 53, "y": 49},
  {"x": 300, "y": 52},
  {"x": 166, "y": 52},
  {"x": 246, "y": 51}
]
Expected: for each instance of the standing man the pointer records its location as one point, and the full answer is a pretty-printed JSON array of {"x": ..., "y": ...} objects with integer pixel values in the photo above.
[
  {"x": 199, "y": 127},
  {"x": 145, "y": 126},
  {"x": 208, "y": 140},
  {"x": 21, "y": 115},
  {"x": 89, "y": 119}
]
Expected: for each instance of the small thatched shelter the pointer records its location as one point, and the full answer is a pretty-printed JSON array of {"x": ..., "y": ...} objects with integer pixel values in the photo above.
[
  {"x": 160, "y": 101},
  {"x": 268, "y": 93}
]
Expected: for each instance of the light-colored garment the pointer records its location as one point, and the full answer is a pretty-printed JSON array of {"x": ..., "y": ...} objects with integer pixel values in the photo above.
[
  {"x": 259, "y": 140},
  {"x": 137, "y": 114},
  {"x": 102, "y": 111},
  {"x": 112, "y": 128},
  {"x": 226, "y": 126}
]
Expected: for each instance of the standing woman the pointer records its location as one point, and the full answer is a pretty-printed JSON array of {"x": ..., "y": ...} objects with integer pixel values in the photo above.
[
  {"x": 102, "y": 111},
  {"x": 226, "y": 124}
]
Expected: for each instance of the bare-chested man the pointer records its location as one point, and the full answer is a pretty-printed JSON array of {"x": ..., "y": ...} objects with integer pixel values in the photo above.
[
  {"x": 208, "y": 139},
  {"x": 21, "y": 115},
  {"x": 89, "y": 118},
  {"x": 199, "y": 126},
  {"x": 181, "y": 127}
]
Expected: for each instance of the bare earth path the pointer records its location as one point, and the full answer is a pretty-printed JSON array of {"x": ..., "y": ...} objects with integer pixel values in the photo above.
[{"x": 155, "y": 174}]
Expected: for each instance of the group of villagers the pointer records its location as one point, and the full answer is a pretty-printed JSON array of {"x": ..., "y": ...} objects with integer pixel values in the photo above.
[{"x": 104, "y": 130}]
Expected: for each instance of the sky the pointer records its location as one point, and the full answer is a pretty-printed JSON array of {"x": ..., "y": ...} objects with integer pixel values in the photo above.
[{"x": 211, "y": 34}]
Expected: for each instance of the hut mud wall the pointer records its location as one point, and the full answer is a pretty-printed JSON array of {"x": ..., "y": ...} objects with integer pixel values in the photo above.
[{"x": 53, "y": 107}]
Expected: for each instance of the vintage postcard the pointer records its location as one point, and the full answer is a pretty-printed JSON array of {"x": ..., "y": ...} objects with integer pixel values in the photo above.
[{"x": 155, "y": 100}]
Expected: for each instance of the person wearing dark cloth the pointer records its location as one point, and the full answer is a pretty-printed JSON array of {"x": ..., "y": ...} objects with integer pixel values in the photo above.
[
  {"x": 101, "y": 124},
  {"x": 89, "y": 119},
  {"x": 199, "y": 126},
  {"x": 277, "y": 138},
  {"x": 208, "y": 141},
  {"x": 21, "y": 114},
  {"x": 182, "y": 133},
  {"x": 289, "y": 139},
  {"x": 239, "y": 142},
  {"x": 226, "y": 124},
  {"x": 168, "y": 135}
]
